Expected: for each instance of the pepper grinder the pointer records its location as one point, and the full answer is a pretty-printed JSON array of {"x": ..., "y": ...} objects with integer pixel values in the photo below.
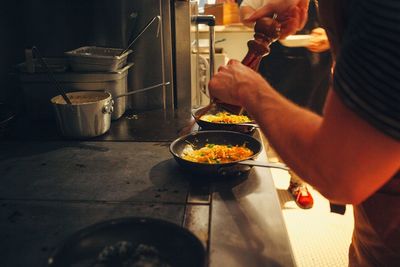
[{"x": 267, "y": 31}]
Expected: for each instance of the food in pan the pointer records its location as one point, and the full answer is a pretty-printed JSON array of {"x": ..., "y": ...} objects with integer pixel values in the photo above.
[
  {"x": 215, "y": 154},
  {"x": 81, "y": 98},
  {"x": 225, "y": 117}
]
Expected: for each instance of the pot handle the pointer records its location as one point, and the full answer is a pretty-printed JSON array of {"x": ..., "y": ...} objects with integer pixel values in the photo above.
[
  {"x": 141, "y": 90},
  {"x": 108, "y": 107}
]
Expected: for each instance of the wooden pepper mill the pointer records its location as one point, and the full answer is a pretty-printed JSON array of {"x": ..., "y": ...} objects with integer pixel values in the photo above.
[{"x": 267, "y": 31}]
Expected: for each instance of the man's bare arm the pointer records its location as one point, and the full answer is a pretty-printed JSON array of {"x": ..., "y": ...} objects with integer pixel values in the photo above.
[{"x": 343, "y": 156}]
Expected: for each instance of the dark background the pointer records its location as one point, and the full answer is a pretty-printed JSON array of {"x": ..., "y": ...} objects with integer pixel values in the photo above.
[{"x": 56, "y": 27}]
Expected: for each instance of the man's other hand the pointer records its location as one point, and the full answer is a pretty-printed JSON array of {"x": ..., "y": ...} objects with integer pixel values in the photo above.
[
  {"x": 319, "y": 41},
  {"x": 292, "y": 14}
]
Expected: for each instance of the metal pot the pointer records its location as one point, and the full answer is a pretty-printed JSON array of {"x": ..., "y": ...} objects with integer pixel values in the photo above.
[{"x": 89, "y": 115}]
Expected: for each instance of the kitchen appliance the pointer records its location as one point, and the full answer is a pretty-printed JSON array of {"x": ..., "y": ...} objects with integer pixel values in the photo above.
[{"x": 60, "y": 26}]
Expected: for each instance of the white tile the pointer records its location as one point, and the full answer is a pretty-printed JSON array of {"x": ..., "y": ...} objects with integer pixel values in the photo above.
[{"x": 318, "y": 237}]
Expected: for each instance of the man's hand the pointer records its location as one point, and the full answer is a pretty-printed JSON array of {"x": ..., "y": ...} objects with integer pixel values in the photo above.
[
  {"x": 292, "y": 14},
  {"x": 319, "y": 41},
  {"x": 235, "y": 82}
]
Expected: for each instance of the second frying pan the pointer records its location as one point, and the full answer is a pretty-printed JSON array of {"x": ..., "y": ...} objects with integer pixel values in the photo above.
[{"x": 246, "y": 128}]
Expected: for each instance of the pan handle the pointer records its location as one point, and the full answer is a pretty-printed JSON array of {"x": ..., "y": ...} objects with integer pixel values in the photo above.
[
  {"x": 141, "y": 90},
  {"x": 255, "y": 125},
  {"x": 264, "y": 164}
]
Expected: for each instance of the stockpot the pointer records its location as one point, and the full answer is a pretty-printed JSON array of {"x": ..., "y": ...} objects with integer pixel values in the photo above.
[{"x": 89, "y": 115}]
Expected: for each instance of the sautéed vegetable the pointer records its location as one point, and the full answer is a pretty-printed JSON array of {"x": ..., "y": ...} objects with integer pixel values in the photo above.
[
  {"x": 225, "y": 117},
  {"x": 215, "y": 154}
]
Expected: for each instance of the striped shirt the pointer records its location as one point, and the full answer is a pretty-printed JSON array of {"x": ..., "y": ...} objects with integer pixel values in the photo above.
[{"x": 367, "y": 73}]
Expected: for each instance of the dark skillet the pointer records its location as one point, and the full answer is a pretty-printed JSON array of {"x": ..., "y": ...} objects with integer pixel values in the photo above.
[
  {"x": 174, "y": 245},
  {"x": 246, "y": 128},
  {"x": 200, "y": 139}
]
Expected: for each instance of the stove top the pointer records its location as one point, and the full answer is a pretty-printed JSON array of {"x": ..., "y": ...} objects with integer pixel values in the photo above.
[{"x": 143, "y": 126}]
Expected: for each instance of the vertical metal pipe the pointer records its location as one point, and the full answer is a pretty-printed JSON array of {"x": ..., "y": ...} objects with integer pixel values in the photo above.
[
  {"x": 212, "y": 51},
  {"x": 161, "y": 36},
  {"x": 210, "y": 21}
]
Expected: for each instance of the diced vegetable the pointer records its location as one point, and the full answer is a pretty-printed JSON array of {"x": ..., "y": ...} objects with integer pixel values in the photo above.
[
  {"x": 215, "y": 154},
  {"x": 225, "y": 117}
]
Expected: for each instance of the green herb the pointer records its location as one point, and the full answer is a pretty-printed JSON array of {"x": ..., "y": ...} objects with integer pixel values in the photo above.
[{"x": 210, "y": 145}]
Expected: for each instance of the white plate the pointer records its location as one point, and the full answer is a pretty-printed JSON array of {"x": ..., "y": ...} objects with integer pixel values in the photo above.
[{"x": 298, "y": 40}]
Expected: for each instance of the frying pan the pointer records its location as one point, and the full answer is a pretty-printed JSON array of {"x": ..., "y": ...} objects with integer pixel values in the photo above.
[
  {"x": 175, "y": 245},
  {"x": 200, "y": 139},
  {"x": 246, "y": 128}
]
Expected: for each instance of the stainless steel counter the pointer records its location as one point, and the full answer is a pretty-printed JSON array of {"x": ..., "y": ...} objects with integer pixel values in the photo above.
[
  {"x": 50, "y": 189},
  {"x": 247, "y": 226}
]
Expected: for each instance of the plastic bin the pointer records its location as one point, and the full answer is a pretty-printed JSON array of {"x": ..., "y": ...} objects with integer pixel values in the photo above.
[
  {"x": 93, "y": 58},
  {"x": 38, "y": 90}
]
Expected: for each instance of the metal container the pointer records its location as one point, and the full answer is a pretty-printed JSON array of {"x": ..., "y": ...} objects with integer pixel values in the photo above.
[
  {"x": 38, "y": 90},
  {"x": 33, "y": 65},
  {"x": 88, "y": 116},
  {"x": 93, "y": 58}
]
